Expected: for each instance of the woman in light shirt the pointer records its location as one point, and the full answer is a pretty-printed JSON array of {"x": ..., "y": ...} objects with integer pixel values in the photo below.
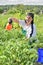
[{"x": 27, "y": 25}]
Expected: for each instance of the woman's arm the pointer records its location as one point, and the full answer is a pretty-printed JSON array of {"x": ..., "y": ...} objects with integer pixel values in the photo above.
[
  {"x": 20, "y": 22},
  {"x": 15, "y": 20}
]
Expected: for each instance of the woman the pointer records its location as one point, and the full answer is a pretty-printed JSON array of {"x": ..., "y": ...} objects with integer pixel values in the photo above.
[{"x": 27, "y": 25}]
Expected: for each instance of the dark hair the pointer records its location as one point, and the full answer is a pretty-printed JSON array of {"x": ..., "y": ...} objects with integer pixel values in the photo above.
[
  {"x": 10, "y": 21},
  {"x": 32, "y": 15}
]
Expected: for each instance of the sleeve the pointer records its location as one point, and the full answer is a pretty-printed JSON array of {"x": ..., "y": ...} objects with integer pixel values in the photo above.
[
  {"x": 34, "y": 31},
  {"x": 22, "y": 23}
]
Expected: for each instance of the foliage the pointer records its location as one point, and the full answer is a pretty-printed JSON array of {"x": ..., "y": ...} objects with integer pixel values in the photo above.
[{"x": 15, "y": 49}]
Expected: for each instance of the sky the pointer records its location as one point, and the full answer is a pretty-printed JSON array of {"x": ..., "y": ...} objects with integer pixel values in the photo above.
[{"x": 25, "y": 2}]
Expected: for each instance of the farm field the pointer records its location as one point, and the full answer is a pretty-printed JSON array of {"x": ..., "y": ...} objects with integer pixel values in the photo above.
[{"x": 14, "y": 48}]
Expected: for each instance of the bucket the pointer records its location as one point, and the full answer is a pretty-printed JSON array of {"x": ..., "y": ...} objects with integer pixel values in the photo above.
[{"x": 40, "y": 55}]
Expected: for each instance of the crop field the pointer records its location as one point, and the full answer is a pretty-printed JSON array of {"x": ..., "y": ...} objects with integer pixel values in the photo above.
[{"x": 14, "y": 48}]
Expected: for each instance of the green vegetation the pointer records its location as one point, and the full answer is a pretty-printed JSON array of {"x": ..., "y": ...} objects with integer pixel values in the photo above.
[{"x": 14, "y": 48}]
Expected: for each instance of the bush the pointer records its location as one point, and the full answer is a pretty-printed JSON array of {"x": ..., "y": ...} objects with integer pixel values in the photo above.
[
  {"x": 1, "y": 10},
  {"x": 11, "y": 12},
  {"x": 15, "y": 49}
]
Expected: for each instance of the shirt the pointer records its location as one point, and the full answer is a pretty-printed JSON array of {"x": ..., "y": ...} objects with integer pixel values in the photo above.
[{"x": 28, "y": 29}]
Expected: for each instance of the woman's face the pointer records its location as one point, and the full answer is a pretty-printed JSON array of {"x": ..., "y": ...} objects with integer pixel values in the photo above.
[{"x": 28, "y": 20}]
